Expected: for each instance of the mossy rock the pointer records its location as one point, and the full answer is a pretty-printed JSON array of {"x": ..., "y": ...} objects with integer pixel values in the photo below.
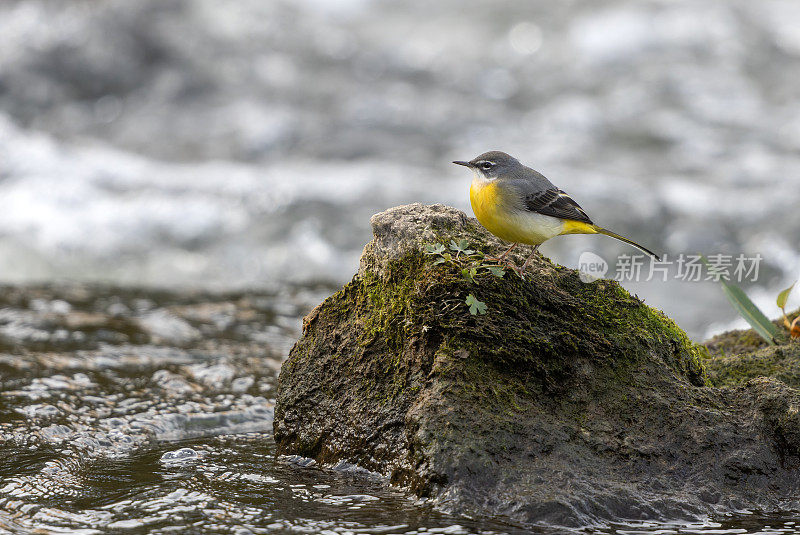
[
  {"x": 566, "y": 404},
  {"x": 737, "y": 356}
]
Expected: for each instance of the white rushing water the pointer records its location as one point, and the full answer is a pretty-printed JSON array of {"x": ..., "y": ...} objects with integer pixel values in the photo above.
[{"x": 190, "y": 143}]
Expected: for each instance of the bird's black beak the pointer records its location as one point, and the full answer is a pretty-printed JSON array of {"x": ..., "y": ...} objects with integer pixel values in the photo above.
[{"x": 465, "y": 164}]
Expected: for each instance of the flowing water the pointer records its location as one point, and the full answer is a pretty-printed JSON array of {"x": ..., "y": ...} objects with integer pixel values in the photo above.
[
  {"x": 152, "y": 412},
  {"x": 234, "y": 152},
  {"x": 193, "y": 143}
]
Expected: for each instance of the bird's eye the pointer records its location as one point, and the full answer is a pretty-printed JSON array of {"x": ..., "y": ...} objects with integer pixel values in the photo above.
[{"x": 486, "y": 165}]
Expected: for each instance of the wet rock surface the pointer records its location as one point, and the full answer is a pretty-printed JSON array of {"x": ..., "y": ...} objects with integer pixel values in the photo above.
[{"x": 566, "y": 404}]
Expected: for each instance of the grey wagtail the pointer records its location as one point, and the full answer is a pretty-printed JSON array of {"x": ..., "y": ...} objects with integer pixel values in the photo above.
[{"x": 519, "y": 205}]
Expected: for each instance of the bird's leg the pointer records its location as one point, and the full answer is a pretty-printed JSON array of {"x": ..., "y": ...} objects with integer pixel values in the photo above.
[
  {"x": 507, "y": 262},
  {"x": 502, "y": 258},
  {"x": 521, "y": 271},
  {"x": 528, "y": 261}
]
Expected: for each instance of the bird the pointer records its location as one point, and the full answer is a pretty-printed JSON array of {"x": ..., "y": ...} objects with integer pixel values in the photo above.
[{"x": 520, "y": 205}]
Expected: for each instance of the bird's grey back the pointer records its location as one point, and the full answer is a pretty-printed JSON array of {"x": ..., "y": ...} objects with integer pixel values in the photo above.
[{"x": 526, "y": 181}]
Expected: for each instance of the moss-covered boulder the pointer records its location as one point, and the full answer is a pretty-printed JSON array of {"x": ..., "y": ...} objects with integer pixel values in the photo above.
[
  {"x": 565, "y": 404},
  {"x": 735, "y": 357}
]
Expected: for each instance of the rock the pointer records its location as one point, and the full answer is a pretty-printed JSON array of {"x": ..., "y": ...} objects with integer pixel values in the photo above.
[
  {"x": 565, "y": 404},
  {"x": 740, "y": 355}
]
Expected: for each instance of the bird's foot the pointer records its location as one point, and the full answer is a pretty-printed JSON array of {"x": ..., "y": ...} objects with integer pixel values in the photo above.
[
  {"x": 520, "y": 271},
  {"x": 502, "y": 259},
  {"x": 499, "y": 260},
  {"x": 507, "y": 263}
]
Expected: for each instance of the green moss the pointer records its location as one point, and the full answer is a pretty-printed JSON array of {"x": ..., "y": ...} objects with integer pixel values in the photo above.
[
  {"x": 594, "y": 318},
  {"x": 632, "y": 325},
  {"x": 736, "y": 342},
  {"x": 779, "y": 362},
  {"x": 735, "y": 357},
  {"x": 391, "y": 301},
  {"x": 414, "y": 297}
]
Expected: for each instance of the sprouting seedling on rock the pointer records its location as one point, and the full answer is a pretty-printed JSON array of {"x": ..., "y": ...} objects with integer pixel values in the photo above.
[{"x": 794, "y": 326}]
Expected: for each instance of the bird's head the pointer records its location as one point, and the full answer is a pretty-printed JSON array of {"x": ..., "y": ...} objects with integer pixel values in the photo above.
[{"x": 492, "y": 164}]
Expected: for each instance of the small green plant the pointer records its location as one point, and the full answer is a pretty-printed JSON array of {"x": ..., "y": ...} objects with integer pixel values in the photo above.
[
  {"x": 461, "y": 247},
  {"x": 471, "y": 264},
  {"x": 753, "y": 315},
  {"x": 794, "y": 326},
  {"x": 475, "y": 307}
]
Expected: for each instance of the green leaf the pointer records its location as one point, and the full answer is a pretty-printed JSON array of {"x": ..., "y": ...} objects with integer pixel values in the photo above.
[
  {"x": 461, "y": 247},
  {"x": 475, "y": 307},
  {"x": 434, "y": 248},
  {"x": 784, "y": 296},
  {"x": 439, "y": 260},
  {"x": 748, "y": 310},
  {"x": 469, "y": 274},
  {"x": 497, "y": 271}
]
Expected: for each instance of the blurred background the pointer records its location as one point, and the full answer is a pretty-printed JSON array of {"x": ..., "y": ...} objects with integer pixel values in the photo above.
[{"x": 219, "y": 145}]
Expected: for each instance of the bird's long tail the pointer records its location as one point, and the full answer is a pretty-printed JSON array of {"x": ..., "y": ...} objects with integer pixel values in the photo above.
[{"x": 601, "y": 230}]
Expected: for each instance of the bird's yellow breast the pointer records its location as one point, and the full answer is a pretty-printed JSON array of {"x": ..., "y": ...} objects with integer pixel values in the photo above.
[
  {"x": 483, "y": 196},
  {"x": 497, "y": 210}
]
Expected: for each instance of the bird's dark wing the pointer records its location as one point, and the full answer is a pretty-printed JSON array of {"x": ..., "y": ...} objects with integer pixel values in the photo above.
[{"x": 556, "y": 203}]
